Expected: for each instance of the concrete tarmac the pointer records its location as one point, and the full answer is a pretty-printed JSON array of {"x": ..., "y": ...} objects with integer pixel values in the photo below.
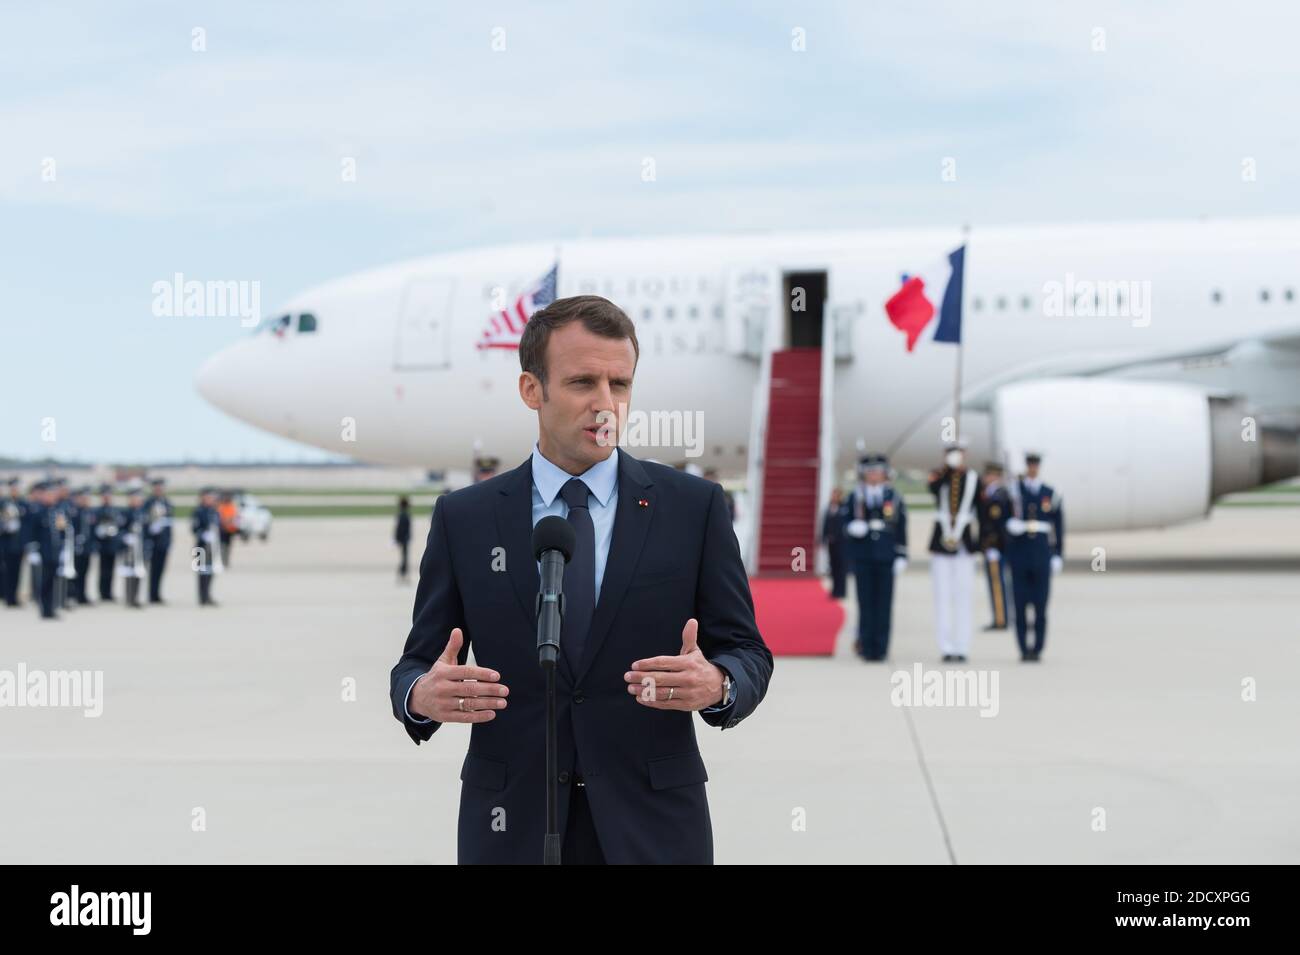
[{"x": 1130, "y": 743}]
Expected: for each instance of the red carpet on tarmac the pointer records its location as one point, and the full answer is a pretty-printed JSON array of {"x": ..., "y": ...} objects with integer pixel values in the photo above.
[{"x": 796, "y": 616}]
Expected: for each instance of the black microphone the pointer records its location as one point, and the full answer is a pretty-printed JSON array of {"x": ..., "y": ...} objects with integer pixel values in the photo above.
[{"x": 553, "y": 542}]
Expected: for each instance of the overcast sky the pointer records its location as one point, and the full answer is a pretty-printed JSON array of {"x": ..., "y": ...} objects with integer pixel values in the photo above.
[{"x": 224, "y": 163}]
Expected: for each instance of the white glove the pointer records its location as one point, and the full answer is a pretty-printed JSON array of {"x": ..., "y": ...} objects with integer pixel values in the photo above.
[
  {"x": 900, "y": 565},
  {"x": 1057, "y": 564},
  {"x": 856, "y": 529},
  {"x": 1015, "y": 526},
  {"x": 129, "y": 539},
  {"x": 210, "y": 536},
  {"x": 992, "y": 555},
  {"x": 34, "y": 559}
]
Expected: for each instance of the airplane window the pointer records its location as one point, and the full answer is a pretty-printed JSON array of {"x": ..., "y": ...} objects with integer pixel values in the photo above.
[
  {"x": 279, "y": 326},
  {"x": 668, "y": 313},
  {"x": 645, "y": 314},
  {"x": 717, "y": 312},
  {"x": 1216, "y": 296},
  {"x": 1289, "y": 295},
  {"x": 1002, "y": 303},
  {"x": 693, "y": 312},
  {"x": 1263, "y": 295},
  {"x": 1025, "y": 302},
  {"x": 306, "y": 322},
  {"x": 978, "y": 304}
]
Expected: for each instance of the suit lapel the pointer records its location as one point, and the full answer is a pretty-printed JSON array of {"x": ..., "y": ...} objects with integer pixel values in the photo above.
[{"x": 631, "y": 523}]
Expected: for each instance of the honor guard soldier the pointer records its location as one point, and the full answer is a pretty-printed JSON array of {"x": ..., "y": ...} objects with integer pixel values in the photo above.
[
  {"x": 993, "y": 507},
  {"x": 106, "y": 531},
  {"x": 13, "y": 529},
  {"x": 875, "y": 528},
  {"x": 44, "y": 544},
  {"x": 205, "y": 522},
  {"x": 83, "y": 545},
  {"x": 1036, "y": 534},
  {"x": 953, "y": 544},
  {"x": 832, "y": 536},
  {"x": 157, "y": 537},
  {"x": 65, "y": 516},
  {"x": 132, "y": 563}
]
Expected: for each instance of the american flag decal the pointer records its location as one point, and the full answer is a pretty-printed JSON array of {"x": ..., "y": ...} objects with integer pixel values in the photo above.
[{"x": 505, "y": 327}]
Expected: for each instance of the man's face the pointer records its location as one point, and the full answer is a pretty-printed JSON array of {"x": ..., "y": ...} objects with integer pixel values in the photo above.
[
  {"x": 875, "y": 476},
  {"x": 588, "y": 389},
  {"x": 1031, "y": 471}
]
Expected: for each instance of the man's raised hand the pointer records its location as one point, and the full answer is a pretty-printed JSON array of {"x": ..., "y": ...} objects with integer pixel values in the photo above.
[
  {"x": 684, "y": 682},
  {"x": 451, "y": 693}
]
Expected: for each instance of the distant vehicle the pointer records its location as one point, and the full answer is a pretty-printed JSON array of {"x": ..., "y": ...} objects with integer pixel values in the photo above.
[{"x": 254, "y": 519}]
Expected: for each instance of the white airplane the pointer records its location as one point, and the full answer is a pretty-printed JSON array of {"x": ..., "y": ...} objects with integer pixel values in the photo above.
[{"x": 1156, "y": 367}]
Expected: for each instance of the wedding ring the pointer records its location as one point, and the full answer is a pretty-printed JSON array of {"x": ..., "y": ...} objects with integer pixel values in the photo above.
[{"x": 670, "y": 692}]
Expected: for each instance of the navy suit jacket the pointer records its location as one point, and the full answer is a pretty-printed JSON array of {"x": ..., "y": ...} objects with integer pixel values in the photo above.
[{"x": 673, "y": 555}]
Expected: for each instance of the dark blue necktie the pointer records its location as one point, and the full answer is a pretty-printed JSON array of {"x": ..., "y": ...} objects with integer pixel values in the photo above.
[{"x": 580, "y": 576}]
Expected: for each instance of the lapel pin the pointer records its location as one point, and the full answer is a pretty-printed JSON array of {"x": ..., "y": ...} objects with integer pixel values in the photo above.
[{"x": 642, "y": 502}]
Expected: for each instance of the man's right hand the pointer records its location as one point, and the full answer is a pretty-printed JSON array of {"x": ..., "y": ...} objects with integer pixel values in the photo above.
[{"x": 450, "y": 693}]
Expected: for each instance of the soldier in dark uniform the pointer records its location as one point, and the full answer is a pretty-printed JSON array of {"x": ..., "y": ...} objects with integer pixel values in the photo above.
[
  {"x": 65, "y": 519},
  {"x": 832, "y": 536},
  {"x": 1036, "y": 533},
  {"x": 106, "y": 530},
  {"x": 44, "y": 542},
  {"x": 206, "y": 525},
  {"x": 83, "y": 516},
  {"x": 157, "y": 537},
  {"x": 132, "y": 564},
  {"x": 993, "y": 506},
  {"x": 875, "y": 527},
  {"x": 402, "y": 535},
  {"x": 13, "y": 523}
]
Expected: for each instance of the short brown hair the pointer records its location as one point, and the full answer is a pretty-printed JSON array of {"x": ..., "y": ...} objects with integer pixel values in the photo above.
[{"x": 598, "y": 315}]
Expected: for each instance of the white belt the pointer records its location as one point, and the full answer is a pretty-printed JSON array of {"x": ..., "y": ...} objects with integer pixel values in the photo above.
[
  {"x": 1041, "y": 527},
  {"x": 875, "y": 525}
]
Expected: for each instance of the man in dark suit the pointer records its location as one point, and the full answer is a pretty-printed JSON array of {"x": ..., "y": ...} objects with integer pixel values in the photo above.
[{"x": 658, "y": 623}]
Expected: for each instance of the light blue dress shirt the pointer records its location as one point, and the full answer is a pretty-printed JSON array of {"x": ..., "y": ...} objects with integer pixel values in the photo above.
[{"x": 602, "y": 500}]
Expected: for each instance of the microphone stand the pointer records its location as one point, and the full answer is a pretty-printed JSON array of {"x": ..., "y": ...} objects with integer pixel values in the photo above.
[{"x": 550, "y": 612}]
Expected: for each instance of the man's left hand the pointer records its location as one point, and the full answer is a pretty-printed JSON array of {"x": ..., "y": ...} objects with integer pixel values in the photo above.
[{"x": 684, "y": 682}]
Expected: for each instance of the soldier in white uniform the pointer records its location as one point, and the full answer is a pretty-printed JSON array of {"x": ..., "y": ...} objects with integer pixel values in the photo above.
[{"x": 953, "y": 545}]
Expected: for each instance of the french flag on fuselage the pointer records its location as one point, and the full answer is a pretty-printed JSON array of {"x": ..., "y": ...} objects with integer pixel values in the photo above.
[
  {"x": 921, "y": 296},
  {"x": 505, "y": 327}
]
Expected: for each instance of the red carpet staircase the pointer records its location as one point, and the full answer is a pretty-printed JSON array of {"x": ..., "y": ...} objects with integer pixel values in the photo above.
[{"x": 795, "y": 615}]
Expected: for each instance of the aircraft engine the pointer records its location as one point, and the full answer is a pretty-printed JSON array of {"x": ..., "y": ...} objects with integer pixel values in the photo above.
[{"x": 1130, "y": 454}]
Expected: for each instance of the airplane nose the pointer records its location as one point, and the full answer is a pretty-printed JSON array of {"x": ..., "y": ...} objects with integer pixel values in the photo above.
[{"x": 216, "y": 380}]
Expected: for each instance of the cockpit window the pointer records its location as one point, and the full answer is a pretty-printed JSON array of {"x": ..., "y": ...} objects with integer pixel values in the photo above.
[
  {"x": 279, "y": 326},
  {"x": 306, "y": 322}
]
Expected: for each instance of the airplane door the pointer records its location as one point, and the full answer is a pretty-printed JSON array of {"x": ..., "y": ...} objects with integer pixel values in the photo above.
[{"x": 424, "y": 323}]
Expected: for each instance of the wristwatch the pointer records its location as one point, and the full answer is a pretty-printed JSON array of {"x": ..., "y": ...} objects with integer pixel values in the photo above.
[{"x": 728, "y": 688}]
